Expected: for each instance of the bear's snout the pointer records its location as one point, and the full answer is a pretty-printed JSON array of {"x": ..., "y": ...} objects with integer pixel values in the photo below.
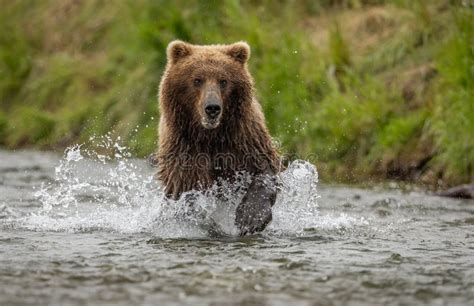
[{"x": 212, "y": 107}]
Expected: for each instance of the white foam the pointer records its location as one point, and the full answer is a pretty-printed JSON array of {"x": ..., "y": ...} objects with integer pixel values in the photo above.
[{"x": 93, "y": 192}]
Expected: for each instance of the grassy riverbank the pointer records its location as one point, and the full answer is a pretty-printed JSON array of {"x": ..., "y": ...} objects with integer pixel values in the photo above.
[{"x": 380, "y": 89}]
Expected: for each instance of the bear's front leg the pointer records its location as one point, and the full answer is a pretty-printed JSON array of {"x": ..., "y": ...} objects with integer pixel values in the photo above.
[{"x": 255, "y": 211}]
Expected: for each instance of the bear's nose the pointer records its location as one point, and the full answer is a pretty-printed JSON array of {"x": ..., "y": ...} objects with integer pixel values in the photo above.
[{"x": 213, "y": 110}]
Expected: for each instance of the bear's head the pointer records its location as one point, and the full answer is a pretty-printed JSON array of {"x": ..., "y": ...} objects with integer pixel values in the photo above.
[{"x": 205, "y": 86}]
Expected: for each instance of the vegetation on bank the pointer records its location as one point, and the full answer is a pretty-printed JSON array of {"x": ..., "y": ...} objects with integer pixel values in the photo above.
[{"x": 369, "y": 88}]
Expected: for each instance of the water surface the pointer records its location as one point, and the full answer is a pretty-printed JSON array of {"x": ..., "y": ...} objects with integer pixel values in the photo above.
[{"x": 77, "y": 230}]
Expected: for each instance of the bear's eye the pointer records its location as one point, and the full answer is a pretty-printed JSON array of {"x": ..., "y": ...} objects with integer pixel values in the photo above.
[
  {"x": 223, "y": 83},
  {"x": 197, "y": 82}
]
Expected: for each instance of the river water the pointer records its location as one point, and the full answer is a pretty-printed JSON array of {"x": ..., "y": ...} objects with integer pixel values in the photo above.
[{"x": 82, "y": 228}]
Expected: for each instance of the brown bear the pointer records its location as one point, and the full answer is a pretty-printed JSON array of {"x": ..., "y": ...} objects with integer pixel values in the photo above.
[{"x": 212, "y": 127}]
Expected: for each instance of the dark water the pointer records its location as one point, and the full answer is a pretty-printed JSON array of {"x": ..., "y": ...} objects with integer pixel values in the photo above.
[{"x": 79, "y": 231}]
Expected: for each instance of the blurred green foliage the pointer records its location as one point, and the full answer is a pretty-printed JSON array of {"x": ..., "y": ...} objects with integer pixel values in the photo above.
[
  {"x": 453, "y": 120},
  {"x": 378, "y": 88}
]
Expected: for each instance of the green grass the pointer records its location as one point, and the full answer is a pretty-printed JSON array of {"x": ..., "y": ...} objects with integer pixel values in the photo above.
[
  {"x": 453, "y": 121},
  {"x": 360, "y": 85}
]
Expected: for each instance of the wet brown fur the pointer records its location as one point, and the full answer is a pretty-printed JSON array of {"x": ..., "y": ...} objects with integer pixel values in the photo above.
[{"x": 241, "y": 133}]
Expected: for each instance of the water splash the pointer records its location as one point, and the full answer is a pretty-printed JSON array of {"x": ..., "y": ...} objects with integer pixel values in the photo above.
[{"x": 116, "y": 193}]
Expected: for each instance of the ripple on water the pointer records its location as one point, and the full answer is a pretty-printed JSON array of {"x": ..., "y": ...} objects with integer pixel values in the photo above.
[{"x": 100, "y": 232}]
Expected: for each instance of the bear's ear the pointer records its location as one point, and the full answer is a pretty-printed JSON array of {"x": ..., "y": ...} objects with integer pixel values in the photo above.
[
  {"x": 177, "y": 50},
  {"x": 239, "y": 51}
]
